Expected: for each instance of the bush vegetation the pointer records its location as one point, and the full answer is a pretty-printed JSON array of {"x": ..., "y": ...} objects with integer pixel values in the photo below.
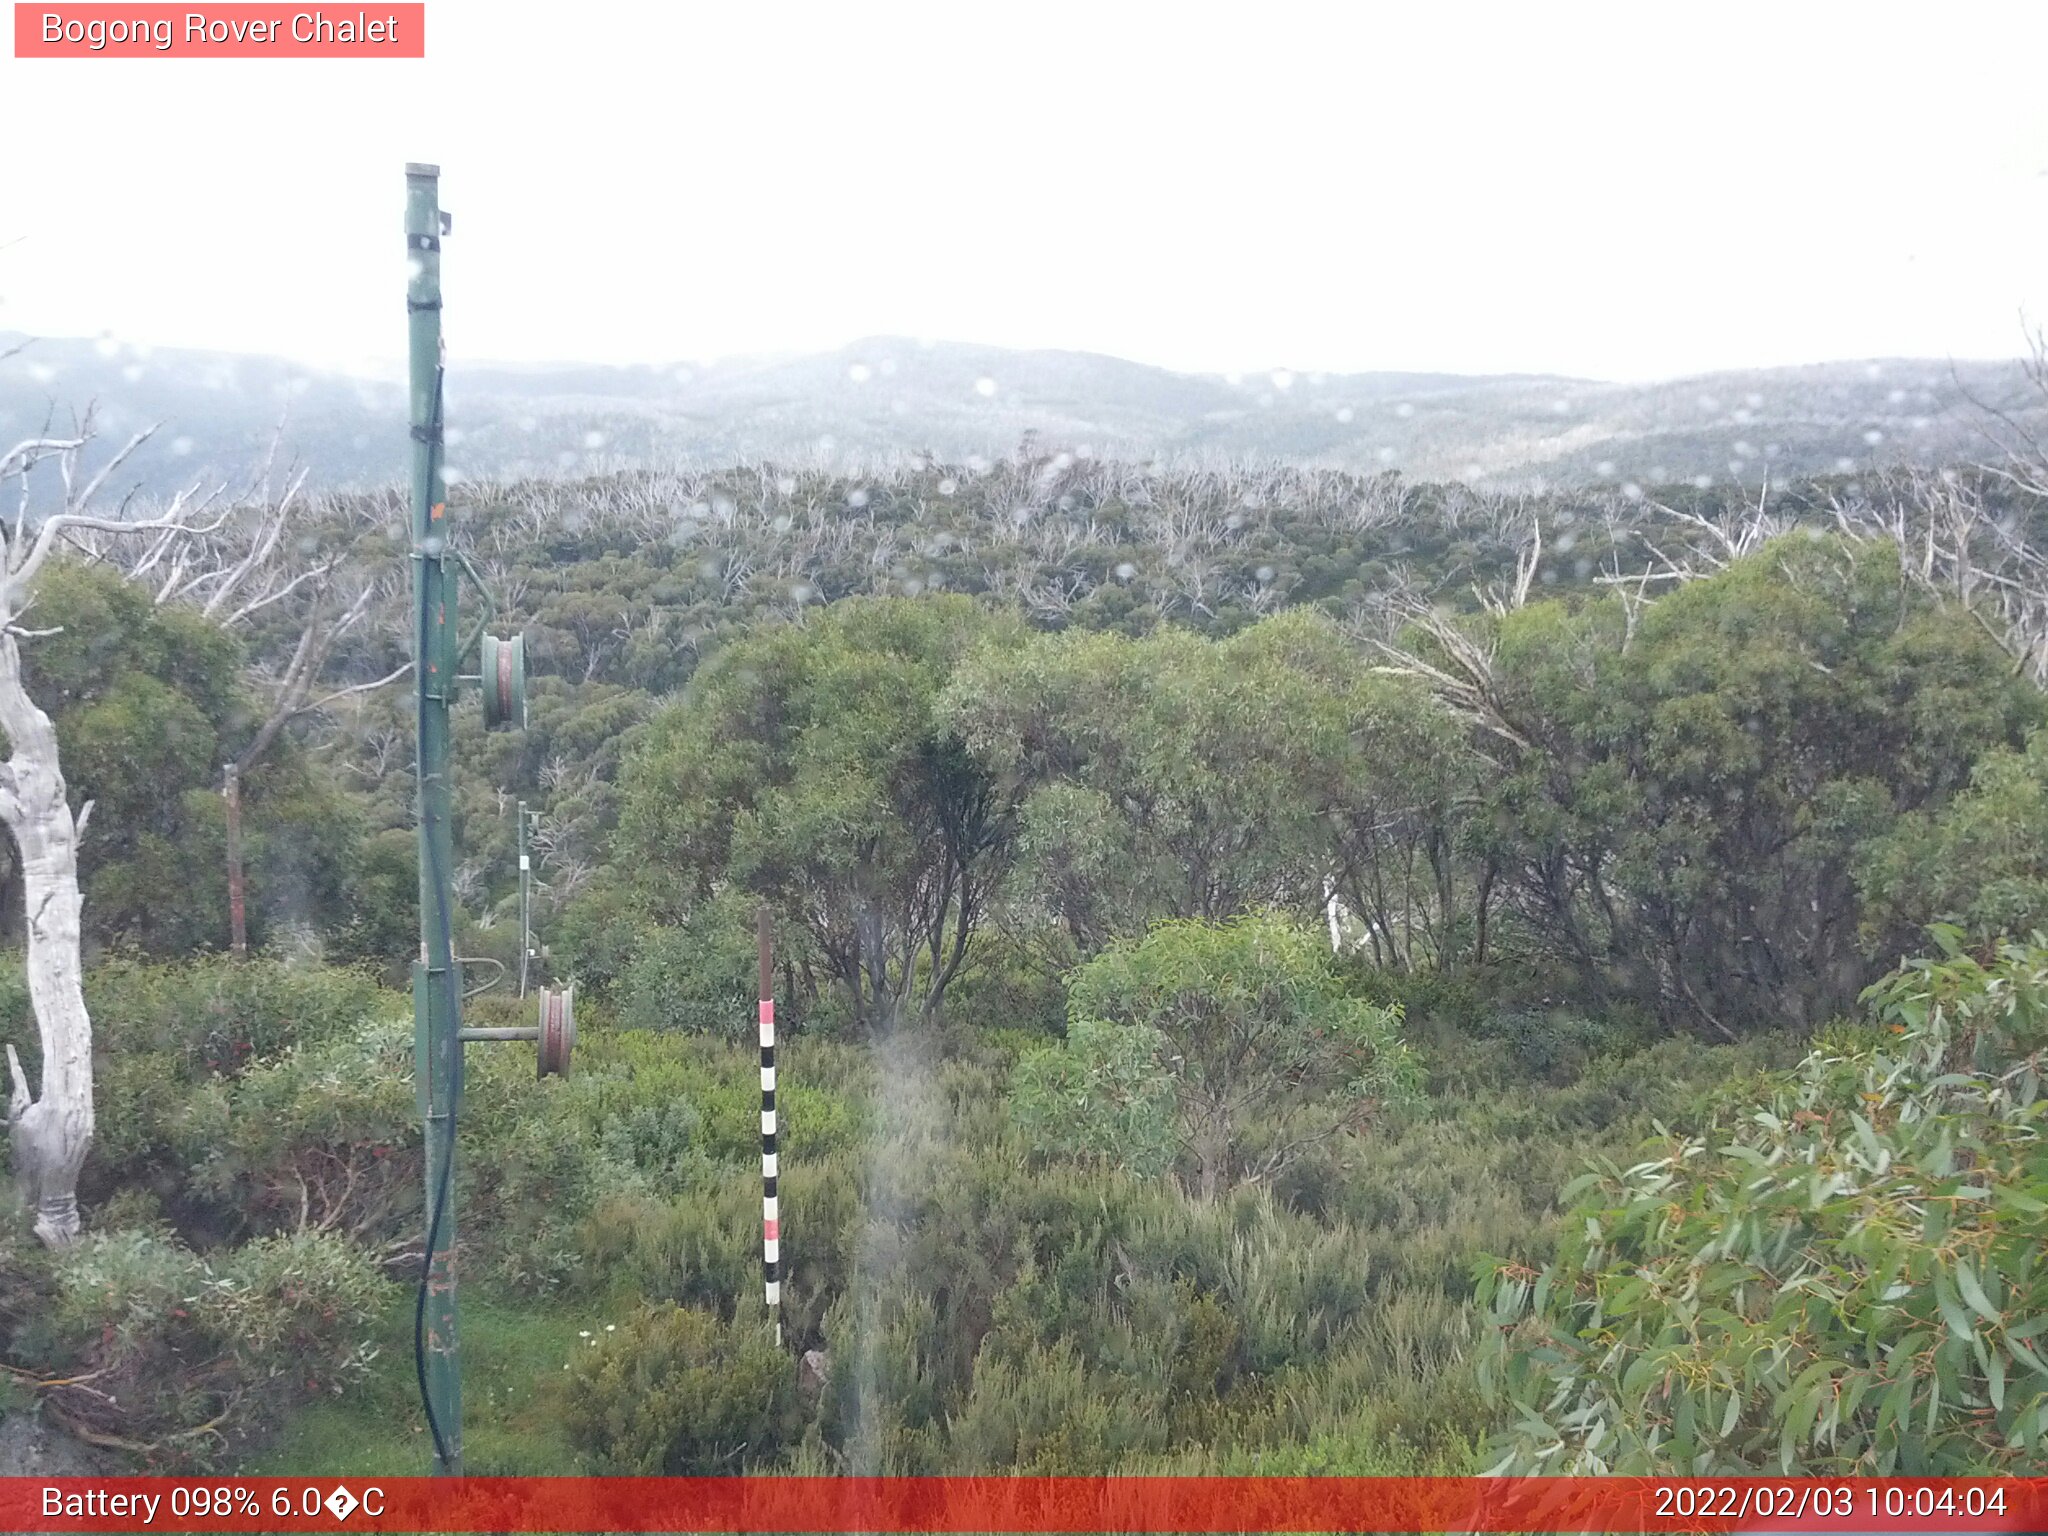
[{"x": 1204, "y": 994}]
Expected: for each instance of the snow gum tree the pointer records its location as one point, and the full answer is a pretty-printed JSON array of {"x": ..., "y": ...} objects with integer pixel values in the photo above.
[{"x": 51, "y": 1126}]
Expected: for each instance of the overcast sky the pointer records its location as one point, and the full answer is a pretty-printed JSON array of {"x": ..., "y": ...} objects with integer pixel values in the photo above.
[{"x": 1626, "y": 191}]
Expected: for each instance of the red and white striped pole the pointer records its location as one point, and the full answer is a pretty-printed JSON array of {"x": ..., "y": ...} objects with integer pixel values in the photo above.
[{"x": 771, "y": 1220}]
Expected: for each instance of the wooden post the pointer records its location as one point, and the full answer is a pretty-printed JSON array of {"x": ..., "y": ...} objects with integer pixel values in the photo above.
[{"x": 238, "y": 906}]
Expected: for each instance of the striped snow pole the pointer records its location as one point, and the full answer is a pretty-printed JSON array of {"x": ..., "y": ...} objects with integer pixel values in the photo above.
[{"x": 771, "y": 1220}]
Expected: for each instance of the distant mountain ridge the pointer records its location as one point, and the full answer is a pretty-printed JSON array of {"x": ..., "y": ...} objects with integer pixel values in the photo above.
[{"x": 885, "y": 398}]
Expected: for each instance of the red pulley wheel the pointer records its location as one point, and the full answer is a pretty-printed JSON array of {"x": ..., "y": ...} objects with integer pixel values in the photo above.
[
  {"x": 557, "y": 1031},
  {"x": 504, "y": 681}
]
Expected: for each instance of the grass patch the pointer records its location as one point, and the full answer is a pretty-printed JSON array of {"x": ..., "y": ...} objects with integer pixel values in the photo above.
[{"x": 513, "y": 1353}]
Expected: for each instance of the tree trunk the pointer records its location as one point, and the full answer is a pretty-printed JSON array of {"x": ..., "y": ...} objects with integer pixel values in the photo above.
[
  {"x": 1484, "y": 900},
  {"x": 1212, "y": 1151},
  {"x": 1210, "y": 1158},
  {"x": 51, "y": 1131}
]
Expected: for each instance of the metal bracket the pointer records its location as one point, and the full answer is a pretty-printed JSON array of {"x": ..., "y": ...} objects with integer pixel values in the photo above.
[
  {"x": 483, "y": 590},
  {"x": 554, "y": 1035}
]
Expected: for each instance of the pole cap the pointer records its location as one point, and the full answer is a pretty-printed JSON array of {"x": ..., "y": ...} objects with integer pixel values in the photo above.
[{"x": 414, "y": 168}]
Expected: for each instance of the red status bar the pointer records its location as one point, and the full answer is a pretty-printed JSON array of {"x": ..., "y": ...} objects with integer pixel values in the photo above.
[{"x": 1025, "y": 1504}]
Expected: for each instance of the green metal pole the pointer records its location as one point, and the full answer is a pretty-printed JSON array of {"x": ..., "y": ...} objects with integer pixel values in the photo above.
[{"x": 436, "y": 988}]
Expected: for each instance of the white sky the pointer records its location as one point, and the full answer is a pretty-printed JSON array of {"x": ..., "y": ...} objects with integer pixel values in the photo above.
[{"x": 1626, "y": 191}]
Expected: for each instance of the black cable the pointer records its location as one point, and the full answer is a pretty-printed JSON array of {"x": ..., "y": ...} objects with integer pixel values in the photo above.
[{"x": 435, "y": 872}]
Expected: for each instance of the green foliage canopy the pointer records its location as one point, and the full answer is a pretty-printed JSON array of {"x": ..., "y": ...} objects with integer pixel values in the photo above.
[
  {"x": 1160, "y": 776},
  {"x": 808, "y": 765},
  {"x": 1686, "y": 799},
  {"x": 149, "y": 701},
  {"x": 1849, "y": 1280},
  {"x": 1980, "y": 860}
]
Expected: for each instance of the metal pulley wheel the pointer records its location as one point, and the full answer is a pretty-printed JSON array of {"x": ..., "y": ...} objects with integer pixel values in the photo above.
[
  {"x": 504, "y": 682},
  {"x": 557, "y": 1031}
]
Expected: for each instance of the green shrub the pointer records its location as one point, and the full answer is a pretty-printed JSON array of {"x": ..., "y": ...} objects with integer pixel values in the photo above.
[
  {"x": 1007, "y": 988},
  {"x": 298, "y": 1305},
  {"x": 181, "y": 1349},
  {"x": 656, "y": 1139},
  {"x": 1849, "y": 1280},
  {"x": 1242, "y": 1029},
  {"x": 893, "y": 1380},
  {"x": 160, "y": 1031},
  {"x": 1558, "y": 1045},
  {"x": 1100, "y": 1097},
  {"x": 216, "y": 1015},
  {"x": 702, "y": 977},
  {"x": 535, "y": 1171},
  {"x": 1044, "y": 1415},
  {"x": 701, "y": 1250},
  {"x": 1980, "y": 860},
  {"x": 637, "y": 1069},
  {"x": 326, "y": 1135},
  {"x": 676, "y": 1392},
  {"x": 139, "y": 1097},
  {"x": 598, "y": 935},
  {"x": 17, "y": 1017}
]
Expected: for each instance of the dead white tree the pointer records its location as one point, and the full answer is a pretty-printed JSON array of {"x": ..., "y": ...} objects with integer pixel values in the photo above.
[
  {"x": 51, "y": 1127},
  {"x": 1499, "y": 600},
  {"x": 1455, "y": 659},
  {"x": 1962, "y": 550},
  {"x": 1952, "y": 542}
]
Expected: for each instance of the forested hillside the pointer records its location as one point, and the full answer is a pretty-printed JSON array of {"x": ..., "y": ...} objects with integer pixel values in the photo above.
[
  {"x": 885, "y": 399},
  {"x": 1281, "y": 970}
]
